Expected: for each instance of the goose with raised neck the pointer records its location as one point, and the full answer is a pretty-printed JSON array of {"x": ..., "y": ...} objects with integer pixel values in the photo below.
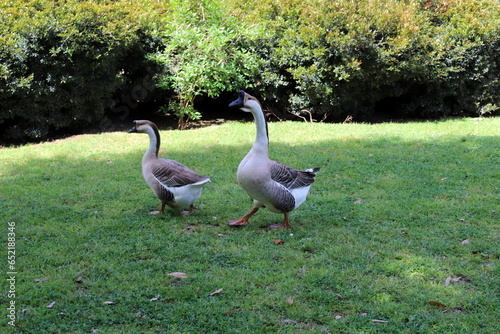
[
  {"x": 175, "y": 185},
  {"x": 271, "y": 184}
]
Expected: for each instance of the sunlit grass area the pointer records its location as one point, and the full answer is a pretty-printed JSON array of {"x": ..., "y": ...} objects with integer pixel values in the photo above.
[{"x": 399, "y": 234}]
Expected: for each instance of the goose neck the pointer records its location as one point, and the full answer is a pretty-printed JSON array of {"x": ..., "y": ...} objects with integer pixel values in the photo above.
[
  {"x": 154, "y": 144},
  {"x": 261, "y": 143}
]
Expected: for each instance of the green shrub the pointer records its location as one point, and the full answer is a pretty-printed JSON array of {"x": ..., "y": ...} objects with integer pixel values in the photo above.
[
  {"x": 356, "y": 57},
  {"x": 61, "y": 63},
  {"x": 204, "y": 55}
]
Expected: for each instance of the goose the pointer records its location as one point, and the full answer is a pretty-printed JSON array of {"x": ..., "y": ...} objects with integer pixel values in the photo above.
[
  {"x": 271, "y": 184},
  {"x": 174, "y": 184}
]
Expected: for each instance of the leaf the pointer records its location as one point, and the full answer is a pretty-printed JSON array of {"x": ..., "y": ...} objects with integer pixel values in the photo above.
[
  {"x": 290, "y": 321},
  {"x": 108, "y": 303},
  {"x": 51, "y": 305},
  {"x": 438, "y": 304},
  {"x": 358, "y": 201},
  {"x": 289, "y": 300},
  {"x": 278, "y": 242},
  {"x": 447, "y": 282},
  {"x": 216, "y": 292},
  {"x": 178, "y": 275}
]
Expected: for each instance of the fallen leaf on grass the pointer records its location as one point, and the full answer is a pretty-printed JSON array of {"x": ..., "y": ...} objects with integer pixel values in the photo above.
[
  {"x": 289, "y": 300},
  {"x": 154, "y": 299},
  {"x": 466, "y": 242},
  {"x": 459, "y": 279},
  {"x": 278, "y": 241},
  {"x": 216, "y": 292},
  {"x": 438, "y": 304},
  {"x": 79, "y": 279},
  {"x": 290, "y": 321},
  {"x": 108, "y": 303},
  {"x": 178, "y": 275},
  {"x": 379, "y": 321},
  {"x": 51, "y": 305}
]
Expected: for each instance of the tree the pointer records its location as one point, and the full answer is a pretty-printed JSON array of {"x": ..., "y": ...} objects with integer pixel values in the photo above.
[{"x": 204, "y": 54}]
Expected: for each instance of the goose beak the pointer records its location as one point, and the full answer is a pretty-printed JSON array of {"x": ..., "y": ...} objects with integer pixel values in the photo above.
[
  {"x": 134, "y": 129},
  {"x": 240, "y": 101}
]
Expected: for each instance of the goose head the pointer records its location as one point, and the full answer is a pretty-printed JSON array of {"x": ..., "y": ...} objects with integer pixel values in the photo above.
[
  {"x": 150, "y": 128},
  {"x": 246, "y": 102},
  {"x": 142, "y": 126}
]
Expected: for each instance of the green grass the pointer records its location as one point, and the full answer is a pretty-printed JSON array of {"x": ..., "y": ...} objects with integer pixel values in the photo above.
[{"x": 381, "y": 234}]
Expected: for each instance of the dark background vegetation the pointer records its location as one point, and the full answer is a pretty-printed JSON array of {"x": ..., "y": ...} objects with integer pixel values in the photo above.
[{"x": 69, "y": 66}]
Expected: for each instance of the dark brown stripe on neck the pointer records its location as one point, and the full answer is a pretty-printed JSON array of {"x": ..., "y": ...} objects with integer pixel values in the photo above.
[{"x": 157, "y": 135}]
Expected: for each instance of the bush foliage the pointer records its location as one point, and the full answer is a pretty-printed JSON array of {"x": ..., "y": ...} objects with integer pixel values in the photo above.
[{"x": 63, "y": 64}]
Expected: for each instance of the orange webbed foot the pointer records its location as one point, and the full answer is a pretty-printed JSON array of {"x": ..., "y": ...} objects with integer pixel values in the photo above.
[
  {"x": 239, "y": 222},
  {"x": 190, "y": 211},
  {"x": 243, "y": 220}
]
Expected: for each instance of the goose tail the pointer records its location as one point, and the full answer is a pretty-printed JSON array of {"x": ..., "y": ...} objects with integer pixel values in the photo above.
[{"x": 313, "y": 170}]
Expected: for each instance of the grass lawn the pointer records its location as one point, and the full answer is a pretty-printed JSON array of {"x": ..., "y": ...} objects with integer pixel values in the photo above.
[{"x": 399, "y": 234}]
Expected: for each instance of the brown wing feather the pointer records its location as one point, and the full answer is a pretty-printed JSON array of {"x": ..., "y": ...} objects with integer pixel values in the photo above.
[
  {"x": 282, "y": 199},
  {"x": 291, "y": 178},
  {"x": 171, "y": 173}
]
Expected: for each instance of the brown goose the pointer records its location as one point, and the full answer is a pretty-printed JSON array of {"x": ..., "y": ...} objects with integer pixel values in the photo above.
[
  {"x": 173, "y": 183},
  {"x": 271, "y": 184}
]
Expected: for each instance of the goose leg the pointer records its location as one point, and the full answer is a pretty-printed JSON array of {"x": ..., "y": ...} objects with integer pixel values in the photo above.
[
  {"x": 162, "y": 210},
  {"x": 243, "y": 220},
  {"x": 191, "y": 210},
  {"x": 285, "y": 223}
]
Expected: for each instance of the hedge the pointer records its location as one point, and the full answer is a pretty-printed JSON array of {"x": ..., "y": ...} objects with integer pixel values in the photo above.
[
  {"x": 65, "y": 65},
  {"x": 408, "y": 58},
  {"x": 61, "y": 63}
]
